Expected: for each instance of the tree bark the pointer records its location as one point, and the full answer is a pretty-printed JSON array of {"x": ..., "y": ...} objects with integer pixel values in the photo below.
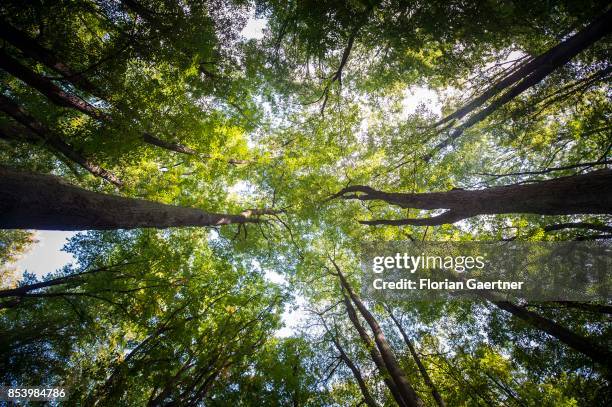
[
  {"x": 577, "y": 225},
  {"x": 527, "y": 76},
  {"x": 587, "y": 307},
  {"x": 396, "y": 372},
  {"x": 33, "y": 127},
  {"x": 554, "y": 57},
  {"x": 50, "y": 138},
  {"x": 367, "y": 397},
  {"x": 46, "y": 202},
  {"x": 597, "y": 353},
  {"x": 374, "y": 353},
  {"x": 46, "y": 87},
  {"x": 586, "y": 193},
  {"x": 434, "y": 391},
  {"x": 32, "y": 49}
]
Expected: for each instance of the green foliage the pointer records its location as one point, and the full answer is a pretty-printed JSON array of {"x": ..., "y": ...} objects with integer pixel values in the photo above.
[
  {"x": 13, "y": 244},
  {"x": 192, "y": 316}
]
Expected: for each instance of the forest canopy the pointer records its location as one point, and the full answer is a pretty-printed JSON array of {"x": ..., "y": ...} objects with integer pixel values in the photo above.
[{"x": 224, "y": 184}]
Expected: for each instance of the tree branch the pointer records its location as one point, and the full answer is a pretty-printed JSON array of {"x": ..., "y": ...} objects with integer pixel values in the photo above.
[
  {"x": 579, "y": 194},
  {"x": 53, "y": 140}
]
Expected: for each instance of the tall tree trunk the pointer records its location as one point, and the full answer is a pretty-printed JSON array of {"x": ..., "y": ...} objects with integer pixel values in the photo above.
[
  {"x": 73, "y": 280},
  {"x": 396, "y": 372},
  {"x": 527, "y": 76},
  {"x": 434, "y": 391},
  {"x": 39, "y": 130},
  {"x": 577, "y": 225},
  {"x": 587, "y": 307},
  {"x": 65, "y": 99},
  {"x": 50, "y": 138},
  {"x": 553, "y": 58},
  {"x": 597, "y": 353},
  {"x": 32, "y": 49},
  {"x": 374, "y": 353},
  {"x": 46, "y": 87},
  {"x": 585, "y": 193},
  {"x": 34, "y": 201},
  {"x": 367, "y": 397},
  {"x": 24, "y": 289}
]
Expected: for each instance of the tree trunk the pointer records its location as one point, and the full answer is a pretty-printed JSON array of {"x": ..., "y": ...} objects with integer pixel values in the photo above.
[
  {"x": 65, "y": 99},
  {"x": 587, "y": 307},
  {"x": 46, "y": 87},
  {"x": 529, "y": 75},
  {"x": 376, "y": 357},
  {"x": 71, "y": 279},
  {"x": 367, "y": 397},
  {"x": 585, "y": 193},
  {"x": 22, "y": 135},
  {"x": 32, "y": 49},
  {"x": 396, "y": 372},
  {"x": 597, "y": 353},
  {"x": 24, "y": 289},
  {"x": 46, "y": 202},
  {"x": 50, "y": 138},
  {"x": 577, "y": 225},
  {"x": 417, "y": 359}
]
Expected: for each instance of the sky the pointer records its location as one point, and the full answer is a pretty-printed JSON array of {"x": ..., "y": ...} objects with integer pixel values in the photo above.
[
  {"x": 46, "y": 255},
  {"x": 254, "y": 27},
  {"x": 416, "y": 96}
]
